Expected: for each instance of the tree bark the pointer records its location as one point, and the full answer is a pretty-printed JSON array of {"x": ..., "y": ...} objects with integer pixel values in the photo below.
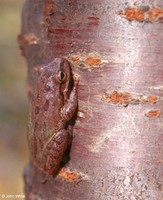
[{"x": 116, "y": 48}]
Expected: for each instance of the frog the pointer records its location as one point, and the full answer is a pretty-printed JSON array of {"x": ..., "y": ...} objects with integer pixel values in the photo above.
[{"x": 53, "y": 107}]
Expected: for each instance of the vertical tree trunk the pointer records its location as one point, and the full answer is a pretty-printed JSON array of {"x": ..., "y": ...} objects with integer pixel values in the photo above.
[{"x": 116, "y": 47}]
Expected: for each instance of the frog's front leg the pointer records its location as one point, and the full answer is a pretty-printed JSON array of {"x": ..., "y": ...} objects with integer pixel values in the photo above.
[
  {"x": 54, "y": 151},
  {"x": 70, "y": 107}
]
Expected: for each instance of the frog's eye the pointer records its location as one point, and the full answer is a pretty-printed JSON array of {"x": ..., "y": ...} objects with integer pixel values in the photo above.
[{"x": 61, "y": 76}]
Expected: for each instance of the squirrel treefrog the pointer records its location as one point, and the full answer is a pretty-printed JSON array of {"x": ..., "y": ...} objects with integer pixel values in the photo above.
[{"x": 53, "y": 105}]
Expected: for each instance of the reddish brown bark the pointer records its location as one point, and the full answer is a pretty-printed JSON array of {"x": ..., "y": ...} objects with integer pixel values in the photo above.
[{"x": 117, "y": 147}]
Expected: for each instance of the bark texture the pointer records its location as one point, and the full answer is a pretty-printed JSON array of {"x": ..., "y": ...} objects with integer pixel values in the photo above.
[{"x": 116, "y": 47}]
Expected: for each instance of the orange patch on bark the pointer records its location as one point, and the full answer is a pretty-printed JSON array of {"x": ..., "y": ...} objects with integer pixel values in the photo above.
[
  {"x": 143, "y": 14},
  {"x": 155, "y": 14},
  {"x": 88, "y": 61},
  {"x": 31, "y": 38},
  {"x": 134, "y": 14},
  {"x": 152, "y": 99},
  {"x": 93, "y": 61},
  {"x": 74, "y": 59},
  {"x": 116, "y": 97},
  {"x": 126, "y": 98},
  {"x": 70, "y": 176},
  {"x": 153, "y": 113}
]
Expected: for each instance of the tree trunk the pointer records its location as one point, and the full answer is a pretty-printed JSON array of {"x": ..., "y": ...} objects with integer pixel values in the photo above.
[{"x": 116, "y": 48}]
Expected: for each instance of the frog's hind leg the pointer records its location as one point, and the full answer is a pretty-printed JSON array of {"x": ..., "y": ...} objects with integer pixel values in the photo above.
[
  {"x": 54, "y": 152},
  {"x": 66, "y": 156}
]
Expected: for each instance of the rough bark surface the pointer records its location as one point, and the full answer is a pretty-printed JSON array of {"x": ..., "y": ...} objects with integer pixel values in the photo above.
[{"x": 116, "y": 47}]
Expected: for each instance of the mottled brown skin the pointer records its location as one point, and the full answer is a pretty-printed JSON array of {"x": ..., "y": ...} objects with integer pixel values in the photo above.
[{"x": 53, "y": 105}]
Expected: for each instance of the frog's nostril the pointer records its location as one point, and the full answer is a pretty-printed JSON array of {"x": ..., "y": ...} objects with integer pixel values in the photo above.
[{"x": 46, "y": 105}]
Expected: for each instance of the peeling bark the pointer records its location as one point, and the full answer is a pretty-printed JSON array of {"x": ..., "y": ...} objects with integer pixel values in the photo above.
[{"x": 117, "y": 148}]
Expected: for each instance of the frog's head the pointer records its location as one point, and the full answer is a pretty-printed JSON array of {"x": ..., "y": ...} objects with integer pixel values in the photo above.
[
  {"x": 64, "y": 76},
  {"x": 59, "y": 72},
  {"x": 62, "y": 70}
]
